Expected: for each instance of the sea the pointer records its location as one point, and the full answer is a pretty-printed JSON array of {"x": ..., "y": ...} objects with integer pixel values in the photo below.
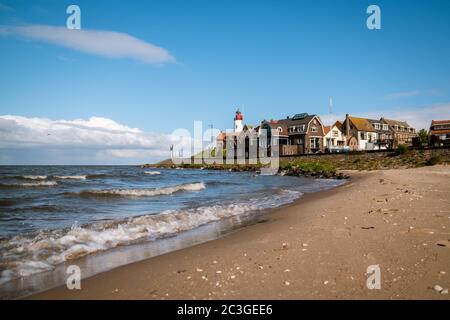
[{"x": 102, "y": 217}]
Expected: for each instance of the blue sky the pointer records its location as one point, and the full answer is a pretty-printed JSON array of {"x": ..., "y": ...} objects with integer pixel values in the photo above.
[{"x": 270, "y": 58}]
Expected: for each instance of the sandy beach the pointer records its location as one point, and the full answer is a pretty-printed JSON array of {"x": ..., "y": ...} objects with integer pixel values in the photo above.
[{"x": 318, "y": 248}]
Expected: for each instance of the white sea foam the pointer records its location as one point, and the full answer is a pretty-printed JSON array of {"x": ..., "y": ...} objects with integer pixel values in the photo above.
[
  {"x": 23, "y": 255},
  {"x": 35, "y": 177},
  {"x": 71, "y": 177},
  {"x": 152, "y": 172},
  {"x": 37, "y": 184},
  {"x": 146, "y": 192}
]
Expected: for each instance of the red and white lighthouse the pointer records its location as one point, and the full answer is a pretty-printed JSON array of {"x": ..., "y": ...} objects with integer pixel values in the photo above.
[{"x": 238, "y": 126}]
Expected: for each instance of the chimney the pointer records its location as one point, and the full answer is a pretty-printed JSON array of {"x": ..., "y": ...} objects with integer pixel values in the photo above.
[{"x": 347, "y": 125}]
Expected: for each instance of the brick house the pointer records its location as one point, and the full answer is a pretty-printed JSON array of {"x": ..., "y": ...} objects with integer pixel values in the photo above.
[
  {"x": 439, "y": 133},
  {"x": 401, "y": 131}
]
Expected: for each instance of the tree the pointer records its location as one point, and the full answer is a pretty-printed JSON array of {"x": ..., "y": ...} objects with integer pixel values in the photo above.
[{"x": 423, "y": 135}]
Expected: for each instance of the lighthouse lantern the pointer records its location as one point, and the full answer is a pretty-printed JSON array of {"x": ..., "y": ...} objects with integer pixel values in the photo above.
[{"x": 238, "y": 127}]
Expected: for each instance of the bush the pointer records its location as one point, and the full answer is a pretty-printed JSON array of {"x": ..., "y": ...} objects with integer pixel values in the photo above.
[
  {"x": 433, "y": 160},
  {"x": 402, "y": 149},
  {"x": 423, "y": 135}
]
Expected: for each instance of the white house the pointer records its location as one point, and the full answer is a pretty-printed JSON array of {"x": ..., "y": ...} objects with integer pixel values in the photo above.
[
  {"x": 333, "y": 138},
  {"x": 360, "y": 133}
]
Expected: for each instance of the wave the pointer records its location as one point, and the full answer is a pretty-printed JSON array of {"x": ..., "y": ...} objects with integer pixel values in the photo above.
[
  {"x": 152, "y": 172},
  {"x": 143, "y": 192},
  {"x": 33, "y": 177},
  {"x": 28, "y": 184},
  {"x": 71, "y": 177},
  {"x": 25, "y": 255}
]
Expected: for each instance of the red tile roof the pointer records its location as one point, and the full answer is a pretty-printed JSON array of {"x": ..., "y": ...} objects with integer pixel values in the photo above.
[{"x": 440, "y": 122}]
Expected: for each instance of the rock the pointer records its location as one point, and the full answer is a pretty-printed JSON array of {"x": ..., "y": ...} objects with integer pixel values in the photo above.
[
  {"x": 232, "y": 277},
  {"x": 325, "y": 282},
  {"x": 199, "y": 270},
  {"x": 218, "y": 272},
  {"x": 443, "y": 243},
  {"x": 285, "y": 245},
  {"x": 442, "y": 272},
  {"x": 438, "y": 288},
  {"x": 304, "y": 244},
  {"x": 444, "y": 291},
  {"x": 287, "y": 283}
]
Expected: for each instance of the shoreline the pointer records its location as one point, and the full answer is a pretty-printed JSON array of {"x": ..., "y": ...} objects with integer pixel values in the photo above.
[
  {"x": 121, "y": 255},
  {"x": 314, "y": 248}
]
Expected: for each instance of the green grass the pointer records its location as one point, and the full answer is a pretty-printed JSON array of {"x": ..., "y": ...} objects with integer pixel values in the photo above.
[{"x": 310, "y": 167}]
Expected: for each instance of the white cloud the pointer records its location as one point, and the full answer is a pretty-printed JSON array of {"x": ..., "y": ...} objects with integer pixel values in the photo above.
[
  {"x": 99, "y": 140},
  {"x": 418, "y": 117},
  {"x": 103, "y": 43}
]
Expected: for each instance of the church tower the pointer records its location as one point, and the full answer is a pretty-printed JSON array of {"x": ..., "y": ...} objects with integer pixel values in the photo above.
[{"x": 238, "y": 126}]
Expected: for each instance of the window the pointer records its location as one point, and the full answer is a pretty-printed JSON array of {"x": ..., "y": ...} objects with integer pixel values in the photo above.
[
  {"x": 314, "y": 142},
  {"x": 362, "y": 136},
  {"x": 313, "y": 129},
  {"x": 385, "y": 127},
  {"x": 280, "y": 129},
  {"x": 377, "y": 126},
  {"x": 335, "y": 133}
]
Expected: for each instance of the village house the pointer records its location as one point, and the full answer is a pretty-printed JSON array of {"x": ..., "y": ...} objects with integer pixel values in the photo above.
[
  {"x": 439, "y": 133},
  {"x": 359, "y": 133},
  {"x": 401, "y": 132},
  {"x": 276, "y": 136},
  {"x": 384, "y": 138},
  {"x": 334, "y": 140},
  {"x": 305, "y": 133}
]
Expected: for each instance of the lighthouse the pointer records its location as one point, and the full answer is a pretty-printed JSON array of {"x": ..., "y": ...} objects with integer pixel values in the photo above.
[{"x": 238, "y": 127}]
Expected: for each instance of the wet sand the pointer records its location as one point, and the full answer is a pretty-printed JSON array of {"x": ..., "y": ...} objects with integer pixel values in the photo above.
[{"x": 318, "y": 248}]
